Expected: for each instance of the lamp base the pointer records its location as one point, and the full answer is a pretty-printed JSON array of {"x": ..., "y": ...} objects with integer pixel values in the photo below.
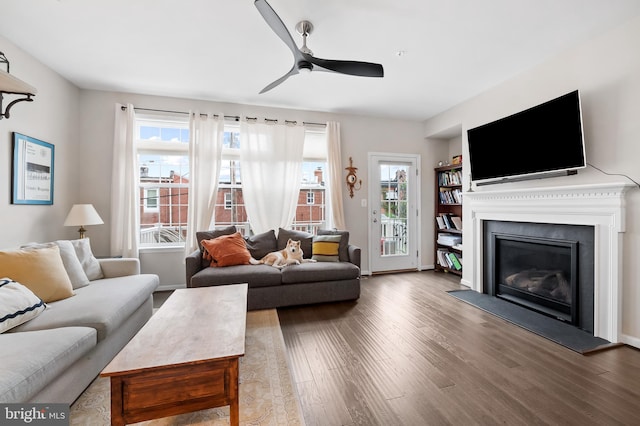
[{"x": 82, "y": 232}]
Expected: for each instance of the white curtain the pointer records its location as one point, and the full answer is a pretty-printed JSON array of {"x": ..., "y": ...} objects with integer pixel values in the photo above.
[
  {"x": 125, "y": 211},
  {"x": 334, "y": 160},
  {"x": 206, "y": 135},
  {"x": 271, "y": 166}
]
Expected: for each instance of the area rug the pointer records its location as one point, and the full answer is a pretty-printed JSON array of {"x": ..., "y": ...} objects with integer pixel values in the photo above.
[
  {"x": 564, "y": 334},
  {"x": 267, "y": 394}
]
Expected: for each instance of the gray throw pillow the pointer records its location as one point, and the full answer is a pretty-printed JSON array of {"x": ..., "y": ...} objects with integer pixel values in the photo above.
[
  {"x": 89, "y": 263},
  {"x": 262, "y": 244},
  {"x": 305, "y": 238},
  {"x": 343, "y": 250}
]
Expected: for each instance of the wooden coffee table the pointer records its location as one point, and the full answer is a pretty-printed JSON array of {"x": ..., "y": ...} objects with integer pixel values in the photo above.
[{"x": 184, "y": 359}]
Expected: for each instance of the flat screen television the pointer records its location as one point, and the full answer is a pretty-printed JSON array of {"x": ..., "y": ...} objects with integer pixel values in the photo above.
[{"x": 533, "y": 143}]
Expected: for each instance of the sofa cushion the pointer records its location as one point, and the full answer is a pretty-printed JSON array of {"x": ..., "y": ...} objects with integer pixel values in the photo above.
[
  {"x": 210, "y": 235},
  {"x": 319, "y": 271},
  {"x": 70, "y": 260},
  {"x": 32, "y": 359},
  {"x": 253, "y": 275},
  {"x": 305, "y": 238},
  {"x": 226, "y": 250},
  {"x": 18, "y": 304},
  {"x": 325, "y": 248},
  {"x": 41, "y": 270},
  {"x": 88, "y": 261},
  {"x": 262, "y": 244},
  {"x": 344, "y": 242},
  {"x": 104, "y": 305}
]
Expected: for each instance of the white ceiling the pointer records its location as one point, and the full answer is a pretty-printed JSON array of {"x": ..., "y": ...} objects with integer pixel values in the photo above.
[{"x": 222, "y": 50}]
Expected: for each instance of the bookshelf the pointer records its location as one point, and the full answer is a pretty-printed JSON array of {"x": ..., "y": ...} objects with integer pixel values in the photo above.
[{"x": 448, "y": 219}]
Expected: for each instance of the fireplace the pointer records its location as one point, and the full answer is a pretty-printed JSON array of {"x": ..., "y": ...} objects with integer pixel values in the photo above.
[
  {"x": 598, "y": 207},
  {"x": 544, "y": 267},
  {"x": 537, "y": 273}
]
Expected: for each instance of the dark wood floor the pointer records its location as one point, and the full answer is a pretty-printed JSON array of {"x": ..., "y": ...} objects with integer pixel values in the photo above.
[{"x": 407, "y": 353}]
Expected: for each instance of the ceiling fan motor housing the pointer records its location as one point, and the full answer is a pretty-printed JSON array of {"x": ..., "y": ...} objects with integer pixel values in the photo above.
[{"x": 305, "y": 66}]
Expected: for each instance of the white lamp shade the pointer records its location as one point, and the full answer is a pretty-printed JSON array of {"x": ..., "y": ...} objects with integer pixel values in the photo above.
[{"x": 83, "y": 214}]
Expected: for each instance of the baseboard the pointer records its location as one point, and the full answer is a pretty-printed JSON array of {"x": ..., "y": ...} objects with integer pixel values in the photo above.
[
  {"x": 466, "y": 283},
  {"x": 168, "y": 287},
  {"x": 630, "y": 340}
]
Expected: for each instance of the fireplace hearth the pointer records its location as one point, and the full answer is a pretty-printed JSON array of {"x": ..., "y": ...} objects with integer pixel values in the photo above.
[{"x": 547, "y": 268}]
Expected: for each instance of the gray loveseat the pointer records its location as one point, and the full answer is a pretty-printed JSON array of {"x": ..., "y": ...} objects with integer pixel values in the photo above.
[
  {"x": 271, "y": 287},
  {"x": 53, "y": 357}
]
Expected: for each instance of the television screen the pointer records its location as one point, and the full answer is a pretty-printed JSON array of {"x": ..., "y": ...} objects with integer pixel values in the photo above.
[{"x": 545, "y": 138}]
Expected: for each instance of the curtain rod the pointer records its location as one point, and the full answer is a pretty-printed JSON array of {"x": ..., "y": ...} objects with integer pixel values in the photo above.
[{"x": 226, "y": 117}]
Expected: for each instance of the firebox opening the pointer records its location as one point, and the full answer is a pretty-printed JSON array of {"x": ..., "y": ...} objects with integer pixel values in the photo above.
[{"x": 537, "y": 273}]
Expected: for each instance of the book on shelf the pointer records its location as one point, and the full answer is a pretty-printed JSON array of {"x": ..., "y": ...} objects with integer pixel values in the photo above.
[
  {"x": 449, "y": 260},
  {"x": 455, "y": 262},
  {"x": 449, "y": 239},
  {"x": 457, "y": 222},
  {"x": 450, "y": 177},
  {"x": 450, "y": 196},
  {"x": 449, "y": 221},
  {"x": 443, "y": 259}
]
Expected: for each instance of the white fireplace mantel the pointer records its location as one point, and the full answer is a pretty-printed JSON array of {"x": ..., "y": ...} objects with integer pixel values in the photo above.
[{"x": 599, "y": 205}]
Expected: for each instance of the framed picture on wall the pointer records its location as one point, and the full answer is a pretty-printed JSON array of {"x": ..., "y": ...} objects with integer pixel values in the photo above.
[{"x": 32, "y": 174}]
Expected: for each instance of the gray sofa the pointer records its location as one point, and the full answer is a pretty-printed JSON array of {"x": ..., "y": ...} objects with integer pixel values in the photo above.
[
  {"x": 53, "y": 357},
  {"x": 271, "y": 287}
]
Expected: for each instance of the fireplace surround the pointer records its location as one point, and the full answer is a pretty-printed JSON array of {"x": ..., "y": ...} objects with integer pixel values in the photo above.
[
  {"x": 547, "y": 268},
  {"x": 597, "y": 205}
]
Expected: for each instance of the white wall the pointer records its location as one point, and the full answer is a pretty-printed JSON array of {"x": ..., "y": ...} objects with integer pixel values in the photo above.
[
  {"x": 606, "y": 70},
  {"x": 51, "y": 117},
  {"x": 360, "y": 135},
  {"x": 80, "y": 125}
]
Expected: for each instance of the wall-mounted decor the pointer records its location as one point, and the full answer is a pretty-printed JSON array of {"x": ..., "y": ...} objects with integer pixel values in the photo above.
[
  {"x": 11, "y": 85},
  {"x": 32, "y": 174},
  {"x": 352, "y": 179}
]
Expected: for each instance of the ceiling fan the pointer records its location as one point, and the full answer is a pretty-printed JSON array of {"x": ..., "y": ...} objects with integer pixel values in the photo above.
[{"x": 304, "y": 61}]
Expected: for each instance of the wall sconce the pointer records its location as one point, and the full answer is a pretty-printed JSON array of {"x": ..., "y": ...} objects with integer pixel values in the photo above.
[
  {"x": 81, "y": 215},
  {"x": 352, "y": 179},
  {"x": 11, "y": 85}
]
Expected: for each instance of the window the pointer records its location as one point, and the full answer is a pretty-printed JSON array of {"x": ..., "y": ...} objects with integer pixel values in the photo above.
[
  {"x": 163, "y": 158},
  {"x": 310, "y": 213},
  {"x": 151, "y": 199},
  {"x": 163, "y": 161}
]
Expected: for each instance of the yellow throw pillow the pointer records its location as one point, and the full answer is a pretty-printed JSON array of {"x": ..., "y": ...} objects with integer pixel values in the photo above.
[
  {"x": 40, "y": 270},
  {"x": 325, "y": 248}
]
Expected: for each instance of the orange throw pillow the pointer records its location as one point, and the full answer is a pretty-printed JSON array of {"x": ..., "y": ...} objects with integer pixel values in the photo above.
[{"x": 226, "y": 250}]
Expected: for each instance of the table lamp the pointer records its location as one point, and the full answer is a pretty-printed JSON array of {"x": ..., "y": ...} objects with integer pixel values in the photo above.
[{"x": 81, "y": 215}]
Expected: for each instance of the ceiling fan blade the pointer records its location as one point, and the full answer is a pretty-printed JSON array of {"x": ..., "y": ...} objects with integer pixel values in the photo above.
[
  {"x": 293, "y": 71},
  {"x": 362, "y": 69},
  {"x": 276, "y": 24}
]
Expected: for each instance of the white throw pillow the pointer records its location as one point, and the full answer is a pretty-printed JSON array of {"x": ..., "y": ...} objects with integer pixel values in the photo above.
[
  {"x": 70, "y": 260},
  {"x": 88, "y": 261},
  {"x": 18, "y": 304}
]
